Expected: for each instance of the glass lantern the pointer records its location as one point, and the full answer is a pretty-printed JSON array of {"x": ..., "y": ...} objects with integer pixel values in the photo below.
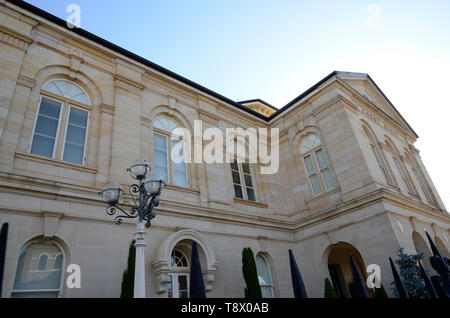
[
  {"x": 111, "y": 193},
  {"x": 139, "y": 169}
]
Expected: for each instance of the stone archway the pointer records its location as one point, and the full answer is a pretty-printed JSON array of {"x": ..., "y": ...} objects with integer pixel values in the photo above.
[
  {"x": 441, "y": 247},
  {"x": 422, "y": 247},
  {"x": 182, "y": 241},
  {"x": 339, "y": 268}
]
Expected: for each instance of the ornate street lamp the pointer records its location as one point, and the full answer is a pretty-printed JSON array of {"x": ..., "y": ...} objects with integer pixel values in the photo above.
[{"x": 145, "y": 196}]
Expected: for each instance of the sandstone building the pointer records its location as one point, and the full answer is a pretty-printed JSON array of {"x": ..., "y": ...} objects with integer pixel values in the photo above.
[{"x": 76, "y": 110}]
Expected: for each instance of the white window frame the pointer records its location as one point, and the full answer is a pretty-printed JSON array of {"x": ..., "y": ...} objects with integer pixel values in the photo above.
[
  {"x": 58, "y": 128},
  {"x": 65, "y": 104},
  {"x": 69, "y": 106},
  {"x": 270, "y": 274},
  {"x": 170, "y": 166},
  {"x": 242, "y": 180},
  {"x": 60, "y": 290},
  {"x": 176, "y": 271},
  {"x": 318, "y": 172}
]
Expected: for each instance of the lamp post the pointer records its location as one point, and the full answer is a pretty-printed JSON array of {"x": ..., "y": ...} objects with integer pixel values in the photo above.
[{"x": 145, "y": 195}]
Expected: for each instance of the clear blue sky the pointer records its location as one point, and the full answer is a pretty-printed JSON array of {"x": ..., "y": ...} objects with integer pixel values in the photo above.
[{"x": 275, "y": 50}]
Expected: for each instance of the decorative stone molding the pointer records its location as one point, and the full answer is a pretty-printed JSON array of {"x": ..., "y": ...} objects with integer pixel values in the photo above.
[
  {"x": 26, "y": 81},
  {"x": 146, "y": 121},
  {"x": 172, "y": 102},
  {"x": 14, "y": 39},
  {"x": 75, "y": 63},
  {"x": 162, "y": 267},
  {"x": 50, "y": 223},
  {"x": 105, "y": 108},
  {"x": 128, "y": 85}
]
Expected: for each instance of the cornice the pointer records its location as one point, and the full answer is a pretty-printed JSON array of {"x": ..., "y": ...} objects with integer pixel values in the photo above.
[{"x": 14, "y": 39}]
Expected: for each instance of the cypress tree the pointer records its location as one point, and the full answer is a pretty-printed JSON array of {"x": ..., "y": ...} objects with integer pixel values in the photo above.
[
  {"x": 128, "y": 274},
  {"x": 252, "y": 289},
  {"x": 330, "y": 292}
]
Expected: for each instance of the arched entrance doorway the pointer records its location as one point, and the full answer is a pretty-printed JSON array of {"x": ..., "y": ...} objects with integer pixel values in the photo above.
[
  {"x": 422, "y": 247},
  {"x": 441, "y": 247},
  {"x": 340, "y": 271}
]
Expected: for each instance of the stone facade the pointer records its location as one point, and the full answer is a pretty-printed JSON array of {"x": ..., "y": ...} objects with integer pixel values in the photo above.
[{"x": 372, "y": 211}]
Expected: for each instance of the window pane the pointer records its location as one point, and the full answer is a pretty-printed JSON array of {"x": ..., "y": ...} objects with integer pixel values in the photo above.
[
  {"x": 162, "y": 172},
  {"x": 28, "y": 274},
  {"x": 264, "y": 277},
  {"x": 169, "y": 287},
  {"x": 76, "y": 134},
  {"x": 50, "y": 108},
  {"x": 246, "y": 167},
  {"x": 309, "y": 142},
  {"x": 326, "y": 174},
  {"x": 165, "y": 124},
  {"x": 309, "y": 165},
  {"x": 73, "y": 153},
  {"x": 179, "y": 177},
  {"x": 267, "y": 292},
  {"x": 236, "y": 178},
  {"x": 183, "y": 288},
  {"x": 238, "y": 192},
  {"x": 43, "y": 146},
  {"x": 315, "y": 184},
  {"x": 321, "y": 159},
  {"x": 248, "y": 180},
  {"x": 234, "y": 166},
  {"x": 46, "y": 126},
  {"x": 160, "y": 157},
  {"x": 160, "y": 141},
  {"x": 251, "y": 194},
  {"x": 78, "y": 117}
]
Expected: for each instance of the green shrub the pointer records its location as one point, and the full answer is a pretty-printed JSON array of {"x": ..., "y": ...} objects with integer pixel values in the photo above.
[
  {"x": 128, "y": 274},
  {"x": 252, "y": 289},
  {"x": 330, "y": 292}
]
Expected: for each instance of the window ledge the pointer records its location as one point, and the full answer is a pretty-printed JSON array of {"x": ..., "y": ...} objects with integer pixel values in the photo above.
[
  {"x": 56, "y": 162},
  {"x": 172, "y": 186},
  {"x": 320, "y": 196},
  {"x": 253, "y": 203}
]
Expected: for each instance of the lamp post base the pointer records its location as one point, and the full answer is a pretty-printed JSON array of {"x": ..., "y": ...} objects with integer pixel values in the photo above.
[{"x": 139, "y": 271}]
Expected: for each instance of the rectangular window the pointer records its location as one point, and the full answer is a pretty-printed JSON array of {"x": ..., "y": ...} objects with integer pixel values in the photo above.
[
  {"x": 315, "y": 183},
  {"x": 243, "y": 181},
  {"x": 46, "y": 130},
  {"x": 76, "y": 132},
  {"x": 161, "y": 156}
]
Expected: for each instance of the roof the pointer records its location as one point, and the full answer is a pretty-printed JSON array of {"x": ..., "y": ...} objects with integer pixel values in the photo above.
[
  {"x": 257, "y": 100},
  {"x": 58, "y": 21}
]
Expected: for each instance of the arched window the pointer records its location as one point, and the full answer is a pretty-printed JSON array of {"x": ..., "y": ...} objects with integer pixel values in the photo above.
[
  {"x": 401, "y": 168},
  {"x": 61, "y": 125},
  {"x": 165, "y": 140},
  {"x": 316, "y": 164},
  {"x": 381, "y": 160},
  {"x": 418, "y": 174},
  {"x": 33, "y": 277},
  {"x": 178, "y": 279},
  {"x": 264, "y": 276}
]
